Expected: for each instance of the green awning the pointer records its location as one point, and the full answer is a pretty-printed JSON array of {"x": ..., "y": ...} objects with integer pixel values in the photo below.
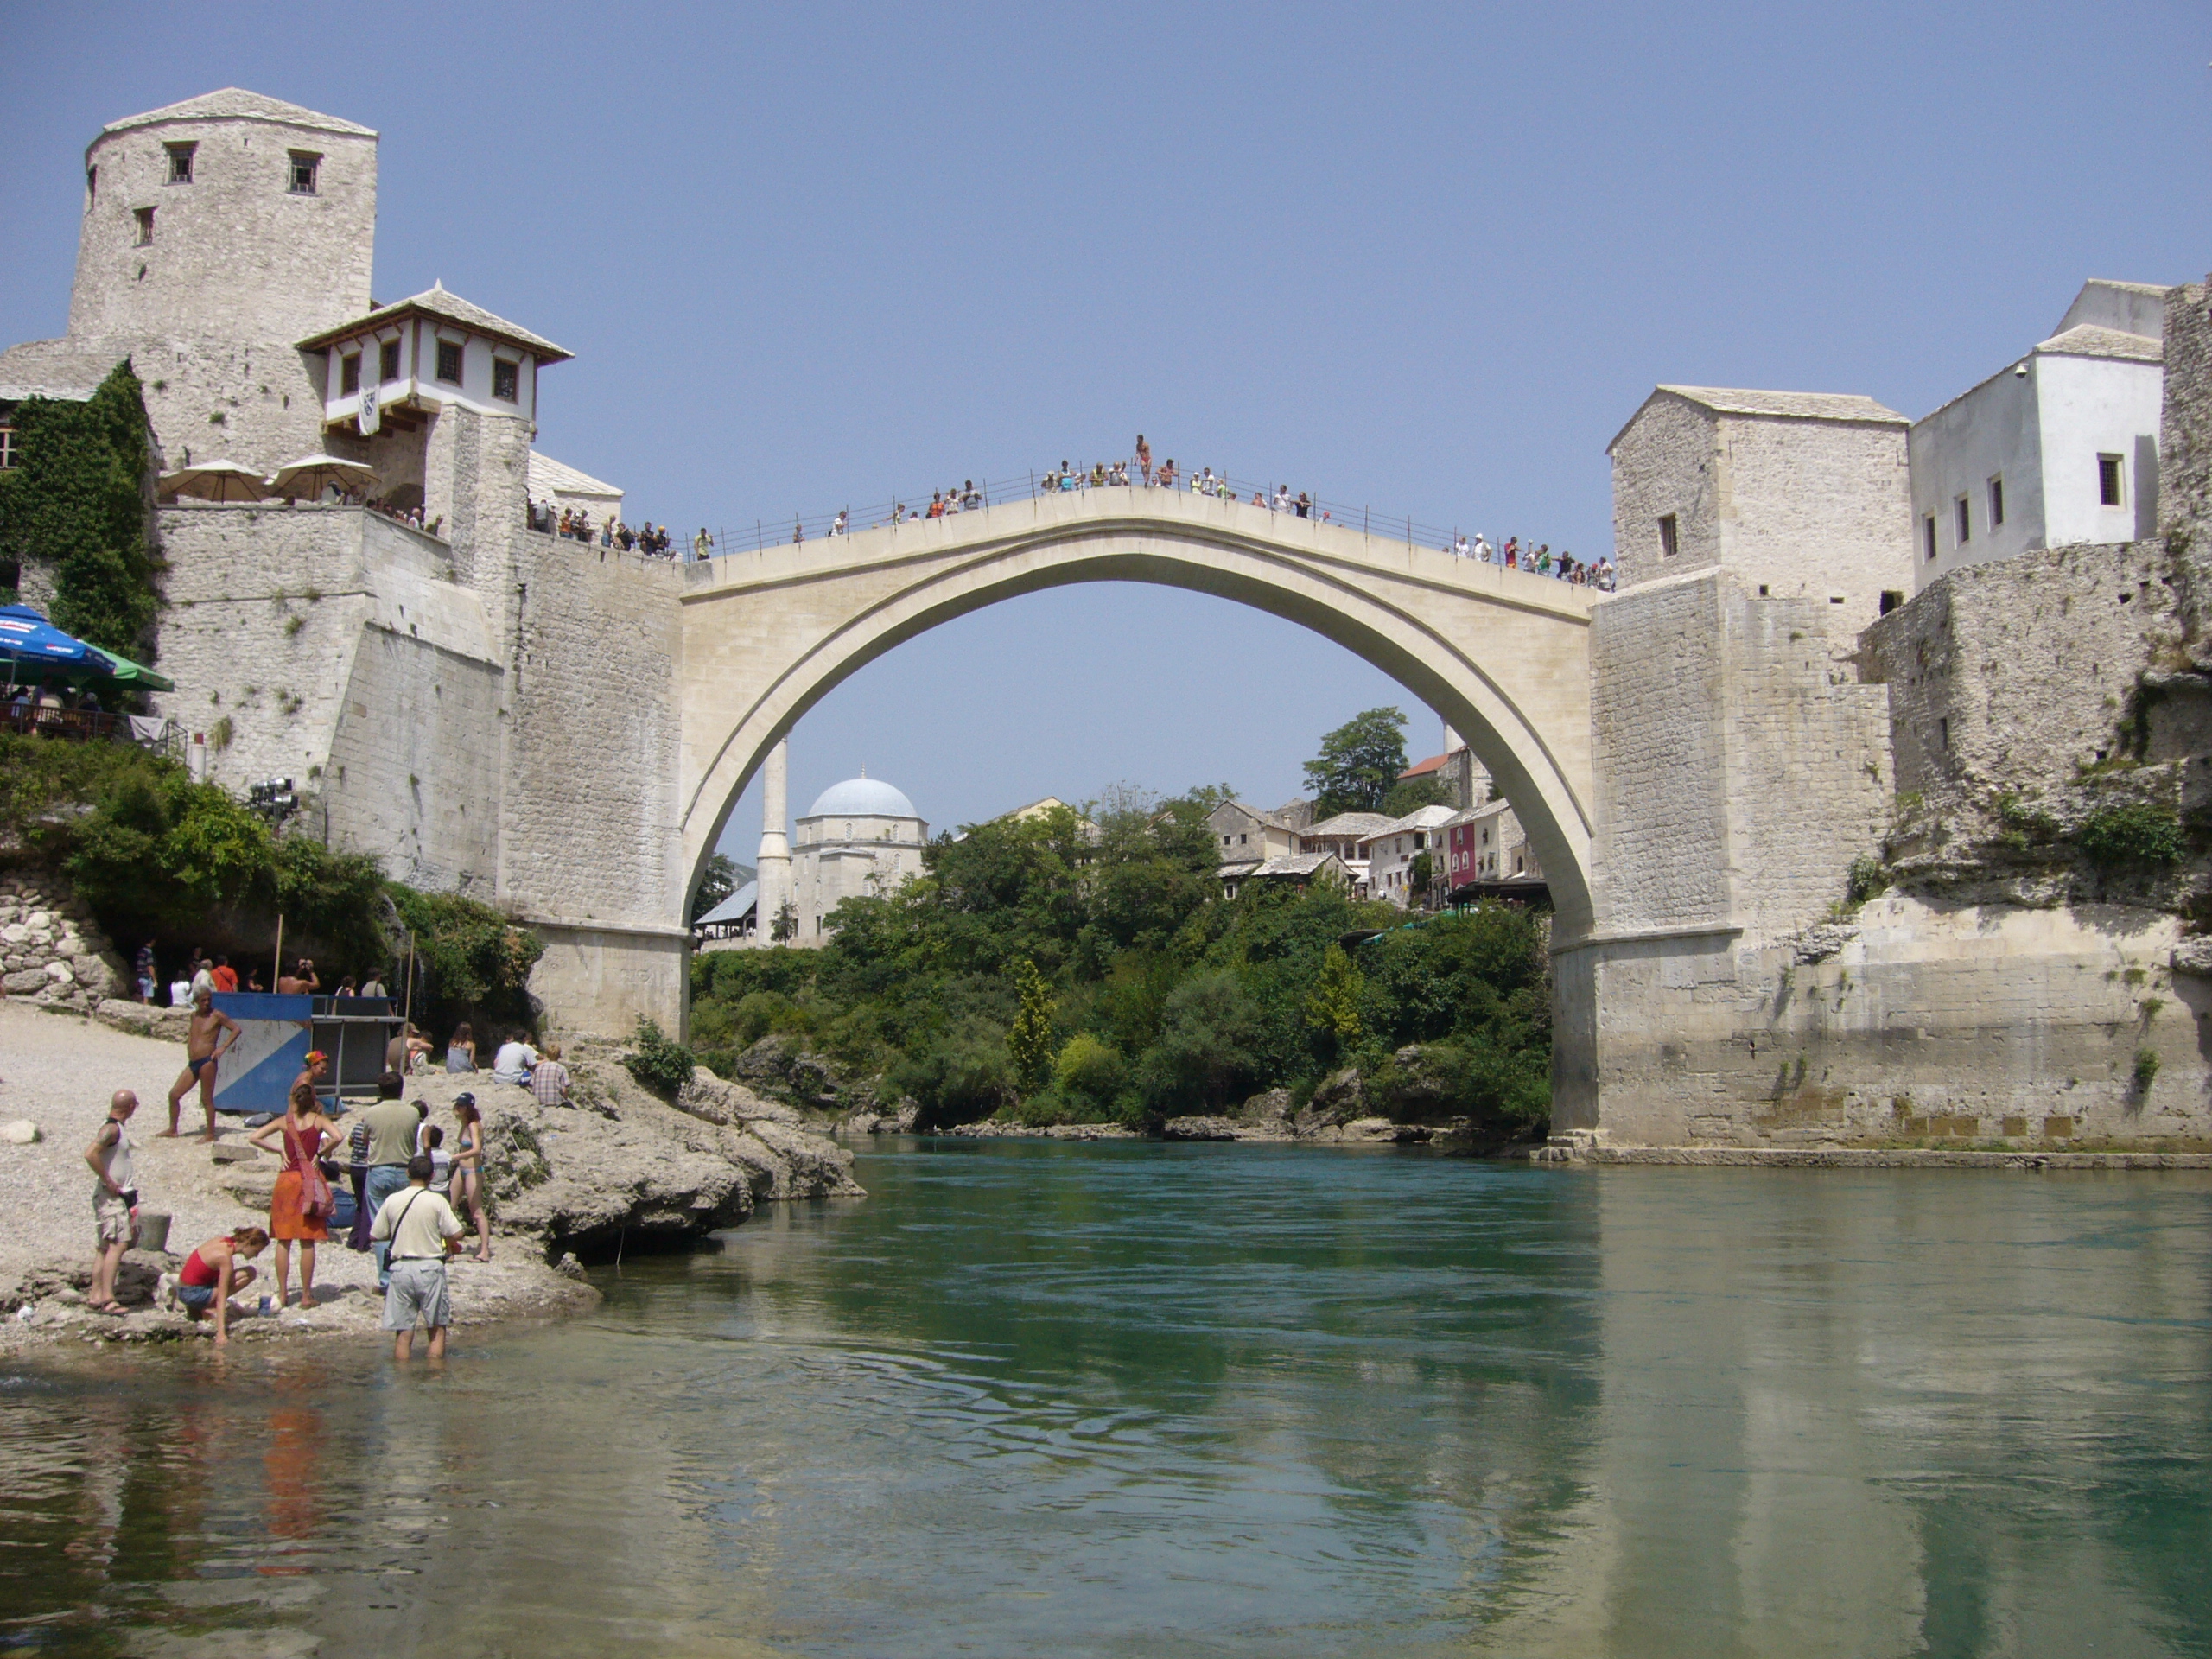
[{"x": 136, "y": 674}]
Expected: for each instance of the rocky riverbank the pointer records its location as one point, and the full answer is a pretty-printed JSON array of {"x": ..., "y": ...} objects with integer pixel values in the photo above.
[
  {"x": 1338, "y": 1113},
  {"x": 617, "y": 1170}
]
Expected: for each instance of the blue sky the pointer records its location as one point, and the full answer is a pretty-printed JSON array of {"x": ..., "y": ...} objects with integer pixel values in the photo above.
[{"x": 1427, "y": 259}]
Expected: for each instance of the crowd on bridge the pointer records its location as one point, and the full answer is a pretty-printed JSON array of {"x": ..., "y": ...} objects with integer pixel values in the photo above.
[
  {"x": 648, "y": 540},
  {"x": 1139, "y": 469}
]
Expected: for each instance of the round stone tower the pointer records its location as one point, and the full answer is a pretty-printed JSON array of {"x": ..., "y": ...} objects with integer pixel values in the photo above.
[{"x": 230, "y": 216}]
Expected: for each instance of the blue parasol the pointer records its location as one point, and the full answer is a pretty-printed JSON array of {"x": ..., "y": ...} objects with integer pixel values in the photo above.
[{"x": 29, "y": 638}]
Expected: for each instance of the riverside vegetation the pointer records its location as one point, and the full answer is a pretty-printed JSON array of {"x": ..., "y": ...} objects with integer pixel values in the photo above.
[
  {"x": 155, "y": 854},
  {"x": 1062, "y": 969}
]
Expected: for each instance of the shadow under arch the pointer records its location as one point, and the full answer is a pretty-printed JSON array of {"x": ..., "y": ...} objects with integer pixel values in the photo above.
[{"x": 1501, "y": 655}]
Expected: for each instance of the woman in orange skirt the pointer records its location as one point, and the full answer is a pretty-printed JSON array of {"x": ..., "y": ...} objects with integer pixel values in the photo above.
[{"x": 303, "y": 1131}]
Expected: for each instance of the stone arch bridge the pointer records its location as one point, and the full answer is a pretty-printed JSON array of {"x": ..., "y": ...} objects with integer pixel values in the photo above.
[{"x": 1502, "y": 655}]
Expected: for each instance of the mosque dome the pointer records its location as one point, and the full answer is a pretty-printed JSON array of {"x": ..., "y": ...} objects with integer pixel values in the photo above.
[{"x": 862, "y": 797}]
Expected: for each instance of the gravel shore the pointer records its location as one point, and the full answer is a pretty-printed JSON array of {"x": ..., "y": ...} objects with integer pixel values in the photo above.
[{"x": 58, "y": 1070}]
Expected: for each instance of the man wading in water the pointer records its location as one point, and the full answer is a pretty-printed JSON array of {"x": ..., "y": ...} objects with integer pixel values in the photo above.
[{"x": 201, "y": 1050}]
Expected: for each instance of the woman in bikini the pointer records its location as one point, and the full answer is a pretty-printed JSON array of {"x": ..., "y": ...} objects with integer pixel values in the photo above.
[
  {"x": 216, "y": 1272},
  {"x": 467, "y": 1190},
  {"x": 303, "y": 1132}
]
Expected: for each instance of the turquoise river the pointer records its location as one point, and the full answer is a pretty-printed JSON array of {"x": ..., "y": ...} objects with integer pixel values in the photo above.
[{"x": 1126, "y": 1399}]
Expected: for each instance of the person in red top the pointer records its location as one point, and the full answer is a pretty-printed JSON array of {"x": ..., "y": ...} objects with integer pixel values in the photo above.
[
  {"x": 216, "y": 1272},
  {"x": 226, "y": 977}
]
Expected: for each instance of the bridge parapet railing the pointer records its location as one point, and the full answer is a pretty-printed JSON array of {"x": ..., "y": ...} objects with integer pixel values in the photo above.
[{"x": 805, "y": 529}]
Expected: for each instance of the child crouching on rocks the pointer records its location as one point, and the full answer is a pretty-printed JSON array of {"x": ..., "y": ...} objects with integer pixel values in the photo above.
[{"x": 216, "y": 1272}]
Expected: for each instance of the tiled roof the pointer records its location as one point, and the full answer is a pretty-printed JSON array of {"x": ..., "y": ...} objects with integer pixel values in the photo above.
[
  {"x": 733, "y": 908},
  {"x": 1422, "y": 768},
  {"x": 2087, "y": 340},
  {"x": 1348, "y": 823},
  {"x": 437, "y": 303},
  {"x": 551, "y": 477},
  {"x": 1296, "y": 864},
  {"x": 1789, "y": 406},
  {"x": 236, "y": 103}
]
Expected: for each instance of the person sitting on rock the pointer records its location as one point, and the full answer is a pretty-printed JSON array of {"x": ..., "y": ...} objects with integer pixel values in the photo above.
[{"x": 515, "y": 1060}]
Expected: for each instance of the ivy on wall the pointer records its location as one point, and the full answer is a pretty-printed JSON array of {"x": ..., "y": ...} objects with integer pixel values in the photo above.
[{"x": 78, "y": 502}]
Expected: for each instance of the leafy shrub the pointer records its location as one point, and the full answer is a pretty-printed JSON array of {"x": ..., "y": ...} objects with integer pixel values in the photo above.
[
  {"x": 2146, "y": 1071},
  {"x": 1204, "y": 1057},
  {"x": 1504, "y": 1094},
  {"x": 2139, "y": 835},
  {"x": 1868, "y": 879},
  {"x": 658, "y": 1061},
  {"x": 471, "y": 961},
  {"x": 963, "y": 1075},
  {"x": 1092, "y": 1073},
  {"x": 758, "y": 1013}
]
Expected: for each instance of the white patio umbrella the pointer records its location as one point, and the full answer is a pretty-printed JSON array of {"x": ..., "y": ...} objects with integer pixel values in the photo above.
[
  {"x": 310, "y": 475},
  {"x": 216, "y": 480}
]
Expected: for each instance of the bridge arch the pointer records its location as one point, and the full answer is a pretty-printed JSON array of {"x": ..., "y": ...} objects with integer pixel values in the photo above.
[{"x": 1502, "y": 655}]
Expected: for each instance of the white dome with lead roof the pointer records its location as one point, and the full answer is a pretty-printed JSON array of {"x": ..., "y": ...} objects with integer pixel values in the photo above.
[{"x": 862, "y": 797}]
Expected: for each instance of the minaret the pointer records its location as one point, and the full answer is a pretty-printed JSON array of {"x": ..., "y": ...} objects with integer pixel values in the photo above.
[{"x": 775, "y": 860}]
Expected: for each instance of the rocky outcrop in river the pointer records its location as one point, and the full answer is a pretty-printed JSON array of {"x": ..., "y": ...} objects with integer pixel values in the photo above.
[{"x": 620, "y": 1169}]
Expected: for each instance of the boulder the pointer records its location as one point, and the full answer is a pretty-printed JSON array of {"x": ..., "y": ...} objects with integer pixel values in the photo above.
[
  {"x": 719, "y": 1101},
  {"x": 1381, "y": 1129},
  {"x": 779, "y": 1061},
  {"x": 1272, "y": 1107},
  {"x": 25, "y": 981},
  {"x": 631, "y": 1171},
  {"x": 21, "y": 1133},
  {"x": 166, "y": 1025},
  {"x": 1341, "y": 1097},
  {"x": 1197, "y": 1128},
  {"x": 2194, "y": 956}
]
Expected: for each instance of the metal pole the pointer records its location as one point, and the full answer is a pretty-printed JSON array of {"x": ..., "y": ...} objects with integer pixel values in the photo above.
[{"x": 276, "y": 968}]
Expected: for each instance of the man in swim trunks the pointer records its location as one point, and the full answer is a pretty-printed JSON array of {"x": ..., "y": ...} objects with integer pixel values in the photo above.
[{"x": 204, "y": 1044}]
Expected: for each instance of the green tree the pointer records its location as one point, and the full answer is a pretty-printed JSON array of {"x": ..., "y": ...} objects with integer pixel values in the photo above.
[
  {"x": 1359, "y": 763},
  {"x": 715, "y": 884},
  {"x": 1204, "y": 1054},
  {"x": 1419, "y": 873},
  {"x": 79, "y": 502},
  {"x": 1029, "y": 1041},
  {"x": 1334, "y": 1007}
]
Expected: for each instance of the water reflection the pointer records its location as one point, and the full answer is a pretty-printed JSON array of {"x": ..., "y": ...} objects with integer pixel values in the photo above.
[{"x": 1120, "y": 1399}]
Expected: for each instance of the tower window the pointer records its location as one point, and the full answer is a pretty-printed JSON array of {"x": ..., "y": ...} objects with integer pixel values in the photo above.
[
  {"x": 2108, "y": 481},
  {"x": 349, "y": 374},
  {"x": 180, "y": 163},
  {"x": 8, "y": 453},
  {"x": 1965, "y": 520},
  {"x": 92, "y": 186},
  {"x": 1928, "y": 537},
  {"x": 388, "y": 361},
  {"x": 1669, "y": 536},
  {"x": 449, "y": 353},
  {"x": 145, "y": 218},
  {"x": 306, "y": 166},
  {"x": 1996, "y": 501},
  {"x": 506, "y": 379}
]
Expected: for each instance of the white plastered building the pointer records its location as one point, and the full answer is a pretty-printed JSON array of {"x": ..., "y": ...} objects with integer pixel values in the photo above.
[
  {"x": 2061, "y": 447},
  {"x": 860, "y": 839}
]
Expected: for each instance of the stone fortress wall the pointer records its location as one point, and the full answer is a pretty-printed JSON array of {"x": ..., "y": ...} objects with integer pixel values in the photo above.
[
  {"x": 488, "y": 710},
  {"x": 1732, "y": 995}
]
